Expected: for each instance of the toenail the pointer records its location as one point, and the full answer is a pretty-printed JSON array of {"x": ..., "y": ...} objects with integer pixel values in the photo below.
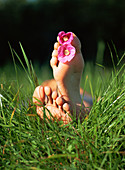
[
  {"x": 66, "y": 107},
  {"x": 59, "y": 101},
  {"x": 54, "y": 95},
  {"x": 48, "y": 90}
]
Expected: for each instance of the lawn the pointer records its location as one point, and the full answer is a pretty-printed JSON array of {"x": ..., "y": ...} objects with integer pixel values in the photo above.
[{"x": 29, "y": 143}]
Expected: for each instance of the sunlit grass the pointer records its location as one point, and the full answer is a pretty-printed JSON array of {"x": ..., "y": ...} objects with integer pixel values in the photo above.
[{"x": 29, "y": 143}]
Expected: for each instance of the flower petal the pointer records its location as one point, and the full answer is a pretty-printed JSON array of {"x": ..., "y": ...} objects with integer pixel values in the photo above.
[
  {"x": 66, "y": 53},
  {"x": 65, "y": 38}
]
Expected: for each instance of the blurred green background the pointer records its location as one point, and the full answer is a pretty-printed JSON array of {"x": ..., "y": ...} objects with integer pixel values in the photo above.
[{"x": 36, "y": 23}]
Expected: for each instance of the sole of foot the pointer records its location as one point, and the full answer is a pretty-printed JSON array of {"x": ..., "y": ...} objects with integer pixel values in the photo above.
[
  {"x": 50, "y": 105},
  {"x": 68, "y": 75}
]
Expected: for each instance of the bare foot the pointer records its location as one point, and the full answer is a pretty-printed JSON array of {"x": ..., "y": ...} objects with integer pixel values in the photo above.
[
  {"x": 87, "y": 99},
  {"x": 51, "y": 104},
  {"x": 68, "y": 76}
]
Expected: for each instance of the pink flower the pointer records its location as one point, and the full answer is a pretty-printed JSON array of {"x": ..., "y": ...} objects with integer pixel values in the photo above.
[
  {"x": 66, "y": 53},
  {"x": 65, "y": 38}
]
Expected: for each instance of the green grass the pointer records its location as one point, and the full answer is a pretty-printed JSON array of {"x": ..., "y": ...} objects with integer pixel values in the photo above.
[{"x": 29, "y": 143}]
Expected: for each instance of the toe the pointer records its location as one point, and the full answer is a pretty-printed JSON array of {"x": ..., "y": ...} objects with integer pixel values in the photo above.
[
  {"x": 36, "y": 95},
  {"x": 42, "y": 93},
  {"x": 66, "y": 107},
  {"x": 54, "y": 97},
  {"x": 56, "y": 45},
  {"x": 59, "y": 101},
  {"x": 54, "y": 59},
  {"x": 55, "y": 53},
  {"x": 53, "y": 62},
  {"x": 76, "y": 43},
  {"x": 39, "y": 94},
  {"x": 40, "y": 111},
  {"x": 48, "y": 92},
  {"x": 58, "y": 38}
]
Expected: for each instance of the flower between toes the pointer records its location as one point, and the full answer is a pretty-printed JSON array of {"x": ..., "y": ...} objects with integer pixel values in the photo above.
[
  {"x": 66, "y": 53},
  {"x": 65, "y": 38}
]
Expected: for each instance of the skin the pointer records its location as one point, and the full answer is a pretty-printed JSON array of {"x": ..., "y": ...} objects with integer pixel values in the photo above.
[
  {"x": 52, "y": 84},
  {"x": 53, "y": 104},
  {"x": 67, "y": 77}
]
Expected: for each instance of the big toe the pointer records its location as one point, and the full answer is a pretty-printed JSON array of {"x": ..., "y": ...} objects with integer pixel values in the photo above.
[
  {"x": 76, "y": 43},
  {"x": 39, "y": 95}
]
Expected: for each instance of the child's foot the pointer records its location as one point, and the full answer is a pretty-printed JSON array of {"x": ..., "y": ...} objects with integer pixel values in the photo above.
[
  {"x": 68, "y": 76},
  {"x": 50, "y": 103}
]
